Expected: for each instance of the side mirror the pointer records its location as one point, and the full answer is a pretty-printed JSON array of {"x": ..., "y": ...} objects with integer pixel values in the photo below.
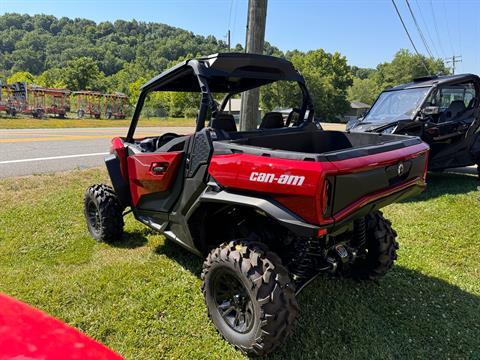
[{"x": 430, "y": 110}]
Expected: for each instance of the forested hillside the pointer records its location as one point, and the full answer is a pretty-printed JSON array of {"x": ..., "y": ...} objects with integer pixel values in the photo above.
[{"x": 81, "y": 54}]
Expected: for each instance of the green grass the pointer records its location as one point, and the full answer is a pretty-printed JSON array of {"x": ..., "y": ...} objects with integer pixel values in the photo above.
[
  {"x": 141, "y": 296},
  {"x": 22, "y": 122}
]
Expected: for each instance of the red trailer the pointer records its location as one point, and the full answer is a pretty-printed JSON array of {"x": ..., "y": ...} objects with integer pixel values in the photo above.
[
  {"x": 57, "y": 102},
  {"x": 29, "y": 99},
  {"x": 88, "y": 103},
  {"x": 7, "y": 102},
  {"x": 35, "y": 104},
  {"x": 115, "y": 105}
]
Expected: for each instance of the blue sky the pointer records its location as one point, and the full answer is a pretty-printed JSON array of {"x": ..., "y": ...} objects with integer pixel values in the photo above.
[{"x": 366, "y": 32}]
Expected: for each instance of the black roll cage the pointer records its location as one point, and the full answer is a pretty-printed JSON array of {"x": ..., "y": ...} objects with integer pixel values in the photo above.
[{"x": 198, "y": 75}]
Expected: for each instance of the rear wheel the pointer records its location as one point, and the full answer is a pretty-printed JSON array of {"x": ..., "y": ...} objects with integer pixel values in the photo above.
[
  {"x": 249, "y": 296},
  {"x": 103, "y": 213},
  {"x": 380, "y": 250}
]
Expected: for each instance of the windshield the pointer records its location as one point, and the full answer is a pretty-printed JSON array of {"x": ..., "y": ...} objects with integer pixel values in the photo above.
[{"x": 396, "y": 105}]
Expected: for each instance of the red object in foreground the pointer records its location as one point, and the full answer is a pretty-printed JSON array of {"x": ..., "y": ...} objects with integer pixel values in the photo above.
[{"x": 27, "y": 334}]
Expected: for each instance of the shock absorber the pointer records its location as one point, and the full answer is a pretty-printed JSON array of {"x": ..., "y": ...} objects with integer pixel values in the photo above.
[
  {"x": 307, "y": 256},
  {"x": 359, "y": 233}
]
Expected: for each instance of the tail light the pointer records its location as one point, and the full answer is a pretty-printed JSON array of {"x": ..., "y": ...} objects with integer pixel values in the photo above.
[
  {"x": 426, "y": 166},
  {"x": 325, "y": 200}
]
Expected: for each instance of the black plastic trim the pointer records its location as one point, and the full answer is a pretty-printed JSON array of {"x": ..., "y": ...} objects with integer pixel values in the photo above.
[{"x": 118, "y": 182}]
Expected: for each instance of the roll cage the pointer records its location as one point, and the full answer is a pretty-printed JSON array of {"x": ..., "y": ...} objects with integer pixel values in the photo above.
[{"x": 229, "y": 73}]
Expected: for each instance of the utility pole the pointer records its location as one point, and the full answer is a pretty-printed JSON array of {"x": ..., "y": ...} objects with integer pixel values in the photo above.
[
  {"x": 255, "y": 38},
  {"x": 453, "y": 60},
  {"x": 229, "y": 49}
]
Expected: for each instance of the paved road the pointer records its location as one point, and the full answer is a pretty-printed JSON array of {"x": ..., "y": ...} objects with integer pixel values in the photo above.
[{"x": 35, "y": 151}]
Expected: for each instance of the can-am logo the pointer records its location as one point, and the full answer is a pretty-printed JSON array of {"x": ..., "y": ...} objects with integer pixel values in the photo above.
[{"x": 282, "y": 179}]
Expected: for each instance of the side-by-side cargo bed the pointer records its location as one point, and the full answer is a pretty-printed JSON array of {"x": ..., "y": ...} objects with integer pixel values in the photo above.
[{"x": 324, "y": 176}]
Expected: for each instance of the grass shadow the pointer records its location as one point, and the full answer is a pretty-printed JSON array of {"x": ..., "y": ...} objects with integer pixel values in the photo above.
[
  {"x": 439, "y": 184},
  {"x": 183, "y": 257},
  {"x": 405, "y": 315}
]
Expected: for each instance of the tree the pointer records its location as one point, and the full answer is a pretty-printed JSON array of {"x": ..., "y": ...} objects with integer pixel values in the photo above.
[
  {"x": 406, "y": 66},
  {"x": 362, "y": 73},
  {"x": 21, "y": 76},
  {"x": 52, "y": 78},
  {"x": 83, "y": 74},
  {"x": 363, "y": 90},
  {"x": 280, "y": 94},
  {"x": 328, "y": 78}
]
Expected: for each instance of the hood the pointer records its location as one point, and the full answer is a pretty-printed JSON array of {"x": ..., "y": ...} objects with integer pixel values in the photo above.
[{"x": 368, "y": 127}]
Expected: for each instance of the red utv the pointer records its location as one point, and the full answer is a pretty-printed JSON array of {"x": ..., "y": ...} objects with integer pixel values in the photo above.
[
  {"x": 28, "y": 333},
  {"x": 270, "y": 208}
]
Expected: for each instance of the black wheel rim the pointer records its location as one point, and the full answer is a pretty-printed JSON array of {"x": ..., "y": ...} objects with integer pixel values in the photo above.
[
  {"x": 233, "y": 301},
  {"x": 93, "y": 216}
]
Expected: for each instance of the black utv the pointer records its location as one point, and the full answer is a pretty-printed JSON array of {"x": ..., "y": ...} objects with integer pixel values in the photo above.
[{"x": 442, "y": 110}]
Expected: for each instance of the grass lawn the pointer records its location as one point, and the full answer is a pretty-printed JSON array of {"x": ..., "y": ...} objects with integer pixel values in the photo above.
[
  {"x": 141, "y": 297},
  {"x": 50, "y": 123}
]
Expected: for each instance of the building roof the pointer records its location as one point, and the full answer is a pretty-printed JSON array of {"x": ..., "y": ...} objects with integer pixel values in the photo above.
[{"x": 359, "y": 105}]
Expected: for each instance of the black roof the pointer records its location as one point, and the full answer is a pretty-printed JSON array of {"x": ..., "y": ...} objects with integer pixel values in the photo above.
[
  {"x": 225, "y": 72},
  {"x": 429, "y": 81}
]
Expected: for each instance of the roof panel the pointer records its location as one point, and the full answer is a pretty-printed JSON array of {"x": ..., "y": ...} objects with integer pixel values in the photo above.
[{"x": 225, "y": 72}]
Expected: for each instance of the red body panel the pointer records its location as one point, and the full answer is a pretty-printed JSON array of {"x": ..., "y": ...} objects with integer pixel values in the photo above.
[
  {"x": 27, "y": 333},
  {"x": 238, "y": 171},
  {"x": 144, "y": 180},
  {"x": 117, "y": 147},
  {"x": 234, "y": 172}
]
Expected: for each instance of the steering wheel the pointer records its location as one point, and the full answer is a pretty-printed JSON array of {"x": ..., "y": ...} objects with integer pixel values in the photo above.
[{"x": 165, "y": 138}]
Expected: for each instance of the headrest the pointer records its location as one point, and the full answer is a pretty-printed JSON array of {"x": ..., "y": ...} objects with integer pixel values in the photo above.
[
  {"x": 456, "y": 107},
  {"x": 224, "y": 121},
  {"x": 272, "y": 120}
]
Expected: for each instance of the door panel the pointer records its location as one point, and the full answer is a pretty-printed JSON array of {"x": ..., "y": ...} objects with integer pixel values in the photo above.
[{"x": 152, "y": 172}]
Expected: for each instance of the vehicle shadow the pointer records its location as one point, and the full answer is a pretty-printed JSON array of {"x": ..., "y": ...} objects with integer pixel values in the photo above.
[
  {"x": 183, "y": 257},
  {"x": 132, "y": 239},
  {"x": 405, "y": 315},
  {"x": 453, "y": 183}
]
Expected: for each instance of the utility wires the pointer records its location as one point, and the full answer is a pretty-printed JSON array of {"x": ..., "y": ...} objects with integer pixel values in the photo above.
[
  {"x": 419, "y": 29},
  {"x": 409, "y": 37}
]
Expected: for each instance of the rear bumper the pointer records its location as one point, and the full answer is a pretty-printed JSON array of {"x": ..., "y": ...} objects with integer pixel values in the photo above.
[{"x": 377, "y": 200}]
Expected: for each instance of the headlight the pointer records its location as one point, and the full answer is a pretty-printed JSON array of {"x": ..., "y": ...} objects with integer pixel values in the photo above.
[{"x": 389, "y": 130}]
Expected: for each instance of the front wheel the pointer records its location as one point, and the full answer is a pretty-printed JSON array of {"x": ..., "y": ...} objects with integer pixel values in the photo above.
[
  {"x": 103, "y": 213},
  {"x": 380, "y": 251},
  {"x": 250, "y": 297}
]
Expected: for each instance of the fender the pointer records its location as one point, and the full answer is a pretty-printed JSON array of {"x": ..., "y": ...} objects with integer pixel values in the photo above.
[
  {"x": 273, "y": 210},
  {"x": 119, "y": 184}
]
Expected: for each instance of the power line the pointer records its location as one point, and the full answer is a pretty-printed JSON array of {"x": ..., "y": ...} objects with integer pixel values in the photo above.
[
  {"x": 437, "y": 54},
  {"x": 419, "y": 29},
  {"x": 409, "y": 37},
  {"x": 436, "y": 28}
]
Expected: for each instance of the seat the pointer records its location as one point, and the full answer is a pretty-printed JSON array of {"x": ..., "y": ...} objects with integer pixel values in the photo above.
[
  {"x": 224, "y": 121},
  {"x": 455, "y": 109},
  {"x": 272, "y": 120}
]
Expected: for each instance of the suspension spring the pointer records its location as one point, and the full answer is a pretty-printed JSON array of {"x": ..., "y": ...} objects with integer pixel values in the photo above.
[
  {"x": 360, "y": 233},
  {"x": 308, "y": 255}
]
